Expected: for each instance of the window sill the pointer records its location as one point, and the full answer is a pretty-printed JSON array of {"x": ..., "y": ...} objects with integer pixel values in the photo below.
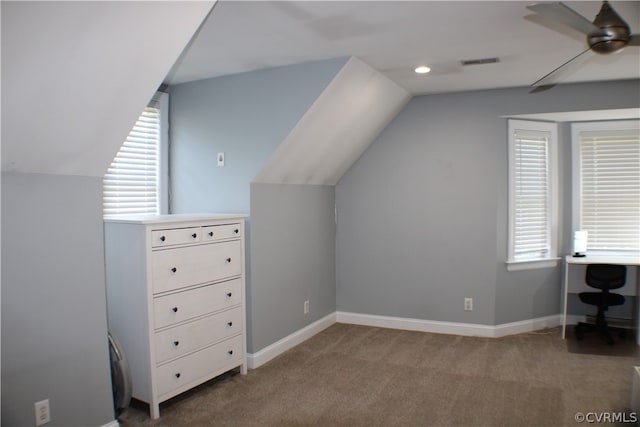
[{"x": 532, "y": 264}]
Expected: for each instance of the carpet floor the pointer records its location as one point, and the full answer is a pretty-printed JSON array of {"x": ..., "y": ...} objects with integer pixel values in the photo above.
[{"x": 351, "y": 375}]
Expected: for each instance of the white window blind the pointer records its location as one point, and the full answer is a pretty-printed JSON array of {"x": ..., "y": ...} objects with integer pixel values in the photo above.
[
  {"x": 131, "y": 183},
  {"x": 609, "y": 186},
  {"x": 532, "y": 195},
  {"x": 531, "y": 181}
]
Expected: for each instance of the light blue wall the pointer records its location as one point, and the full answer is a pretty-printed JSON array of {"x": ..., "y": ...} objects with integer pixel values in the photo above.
[
  {"x": 54, "y": 319},
  {"x": 422, "y": 215},
  {"x": 408, "y": 240},
  {"x": 292, "y": 259},
  {"x": 246, "y": 116}
]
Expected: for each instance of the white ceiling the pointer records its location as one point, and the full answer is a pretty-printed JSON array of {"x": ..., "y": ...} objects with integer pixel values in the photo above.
[
  {"x": 394, "y": 37},
  {"x": 324, "y": 143},
  {"x": 75, "y": 75}
]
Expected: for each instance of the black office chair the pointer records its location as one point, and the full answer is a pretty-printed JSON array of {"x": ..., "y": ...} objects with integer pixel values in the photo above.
[{"x": 605, "y": 277}]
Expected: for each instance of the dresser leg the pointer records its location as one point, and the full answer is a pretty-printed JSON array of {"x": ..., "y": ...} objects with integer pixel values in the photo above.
[
  {"x": 243, "y": 369},
  {"x": 155, "y": 411}
]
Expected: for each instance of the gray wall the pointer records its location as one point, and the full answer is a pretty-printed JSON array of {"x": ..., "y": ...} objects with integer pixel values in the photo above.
[
  {"x": 292, "y": 259},
  {"x": 422, "y": 215},
  {"x": 54, "y": 324},
  {"x": 246, "y": 116}
]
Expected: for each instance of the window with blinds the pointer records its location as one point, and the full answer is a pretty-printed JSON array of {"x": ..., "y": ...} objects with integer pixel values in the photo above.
[
  {"x": 131, "y": 184},
  {"x": 607, "y": 180},
  {"x": 532, "y": 204}
]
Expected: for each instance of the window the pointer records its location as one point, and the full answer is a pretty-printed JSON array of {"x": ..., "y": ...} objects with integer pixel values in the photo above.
[
  {"x": 133, "y": 182},
  {"x": 532, "y": 195},
  {"x": 606, "y": 185}
]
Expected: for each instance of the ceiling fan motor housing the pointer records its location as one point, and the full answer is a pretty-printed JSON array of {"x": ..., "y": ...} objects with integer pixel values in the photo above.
[{"x": 614, "y": 34}]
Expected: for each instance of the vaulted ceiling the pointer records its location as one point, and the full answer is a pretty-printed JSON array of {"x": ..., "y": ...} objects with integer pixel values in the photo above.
[
  {"x": 347, "y": 116},
  {"x": 76, "y": 75},
  {"x": 394, "y": 37}
]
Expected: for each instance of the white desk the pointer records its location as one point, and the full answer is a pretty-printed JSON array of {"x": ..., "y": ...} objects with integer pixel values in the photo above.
[{"x": 579, "y": 285}]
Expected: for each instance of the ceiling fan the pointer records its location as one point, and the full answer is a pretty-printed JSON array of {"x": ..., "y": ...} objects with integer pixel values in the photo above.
[{"x": 608, "y": 33}]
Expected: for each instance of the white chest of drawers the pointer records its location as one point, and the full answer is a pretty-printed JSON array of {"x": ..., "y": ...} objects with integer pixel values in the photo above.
[{"x": 176, "y": 299}]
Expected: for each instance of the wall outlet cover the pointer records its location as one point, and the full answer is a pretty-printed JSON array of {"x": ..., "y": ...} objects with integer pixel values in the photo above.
[{"x": 43, "y": 416}]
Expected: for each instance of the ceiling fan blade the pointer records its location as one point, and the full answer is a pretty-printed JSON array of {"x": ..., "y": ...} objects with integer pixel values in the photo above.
[
  {"x": 549, "y": 78},
  {"x": 634, "y": 40},
  {"x": 560, "y": 12}
]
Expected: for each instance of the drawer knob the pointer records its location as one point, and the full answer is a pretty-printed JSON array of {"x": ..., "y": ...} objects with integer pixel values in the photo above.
[
  {"x": 229, "y": 324},
  {"x": 230, "y": 352},
  {"x": 236, "y": 231},
  {"x": 211, "y": 234},
  {"x": 174, "y": 309},
  {"x": 194, "y": 235},
  {"x": 173, "y": 269},
  {"x": 228, "y": 259},
  {"x": 229, "y": 294},
  {"x": 177, "y": 374},
  {"x": 176, "y": 343},
  {"x": 162, "y": 238}
]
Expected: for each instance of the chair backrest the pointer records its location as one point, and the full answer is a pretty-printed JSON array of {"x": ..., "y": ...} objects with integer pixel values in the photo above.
[{"x": 606, "y": 276}]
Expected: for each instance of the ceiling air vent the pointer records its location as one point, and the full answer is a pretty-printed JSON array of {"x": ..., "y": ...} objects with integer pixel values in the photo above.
[{"x": 479, "y": 61}]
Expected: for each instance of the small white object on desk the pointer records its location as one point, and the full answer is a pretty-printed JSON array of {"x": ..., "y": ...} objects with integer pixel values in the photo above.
[{"x": 580, "y": 243}]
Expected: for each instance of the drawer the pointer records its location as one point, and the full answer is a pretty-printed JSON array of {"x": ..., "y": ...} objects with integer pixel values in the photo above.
[
  {"x": 217, "y": 232},
  {"x": 191, "y": 265},
  {"x": 176, "y": 236},
  {"x": 186, "y": 338},
  {"x": 199, "y": 366},
  {"x": 179, "y": 307}
]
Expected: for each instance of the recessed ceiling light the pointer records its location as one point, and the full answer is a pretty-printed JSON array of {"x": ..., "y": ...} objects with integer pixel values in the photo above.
[{"x": 423, "y": 69}]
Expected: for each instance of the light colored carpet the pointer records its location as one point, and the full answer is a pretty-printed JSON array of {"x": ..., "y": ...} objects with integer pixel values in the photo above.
[{"x": 352, "y": 375}]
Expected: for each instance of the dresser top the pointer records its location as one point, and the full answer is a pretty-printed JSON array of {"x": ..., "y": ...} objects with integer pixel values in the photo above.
[{"x": 164, "y": 219}]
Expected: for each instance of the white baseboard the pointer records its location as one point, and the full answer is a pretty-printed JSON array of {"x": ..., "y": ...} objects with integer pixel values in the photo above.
[
  {"x": 113, "y": 423},
  {"x": 254, "y": 360},
  {"x": 261, "y": 357},
  {"x": 528, "y": 325},
  {"x": 466, "y": 329}
]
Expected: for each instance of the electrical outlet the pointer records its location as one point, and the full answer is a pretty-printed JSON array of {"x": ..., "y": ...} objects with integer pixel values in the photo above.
[
  {"x": 43, "y": 415},
  {"x": 221, "y": 158},
  {"x": 306, "y": 307},
  {"x": 468, "y": 304}
]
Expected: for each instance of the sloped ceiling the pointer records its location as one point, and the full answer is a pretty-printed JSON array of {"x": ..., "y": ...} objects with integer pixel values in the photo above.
[
  {"x": 76, "y": 75},
  {"x": 349, "y": 114},
  {"x": 396, "y": 36}
]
